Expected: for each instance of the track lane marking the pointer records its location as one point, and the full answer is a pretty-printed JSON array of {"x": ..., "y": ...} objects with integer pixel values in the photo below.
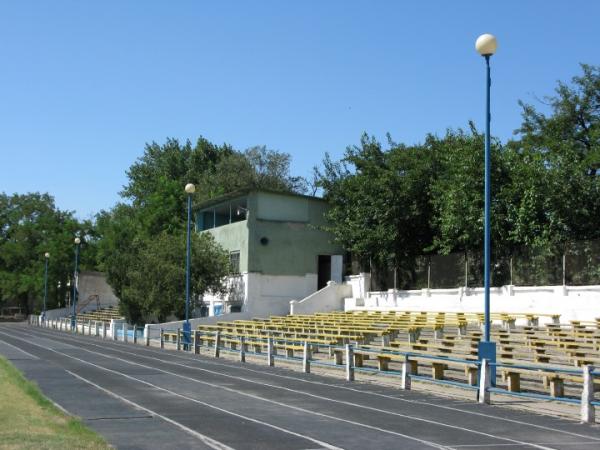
[
  {"x": 475, "y": 413},
  {"x": 205, "y": 361},
  {"x": 316, "y": 441},
  {"x": 431, "y": 422},
  {"x": 212, "y": 443},
  {"x": 324, "y": 444}
]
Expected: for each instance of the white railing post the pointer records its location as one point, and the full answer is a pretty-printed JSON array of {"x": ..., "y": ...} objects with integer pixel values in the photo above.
[
  {"x": 406, "y": 382},
  {"x": 349, "y": 363},
  {"x": 270, "y": 356},
  {"x": 217, "y": 344},
  {"x": 125, "y": 326},
  {"x": 242, "y": 349},
  {"x": 306, "y": 358},
  {"x": 485, "y": 382},
  {"x": 588, "y": 413}
]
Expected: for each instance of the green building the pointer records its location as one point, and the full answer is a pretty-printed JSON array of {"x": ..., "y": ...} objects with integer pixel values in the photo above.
[{"x": 277, "y": 251}]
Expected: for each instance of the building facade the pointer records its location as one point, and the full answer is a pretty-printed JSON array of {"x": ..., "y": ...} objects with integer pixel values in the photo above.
[{"x": 277, "y": 250}]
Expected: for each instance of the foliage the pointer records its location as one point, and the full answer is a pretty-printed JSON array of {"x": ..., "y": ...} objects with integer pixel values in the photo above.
[
  {"x": 393, "y": 205},
  {"x": 156, "y": 278},
  {"x": 140, "y": 242},
  {"x": 31, "y": 225}
]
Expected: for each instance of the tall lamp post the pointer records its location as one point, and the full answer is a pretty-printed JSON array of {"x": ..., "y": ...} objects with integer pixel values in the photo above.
[
  {"x": 46, "y": 257},
  {"x": 187, "y": 328},
  {"x": 75, "y": 283},
  {"x": 486, "y": 46}
]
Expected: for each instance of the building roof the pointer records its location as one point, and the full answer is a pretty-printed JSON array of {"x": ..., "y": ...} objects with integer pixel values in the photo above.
[{"x": 242, "y": 192}]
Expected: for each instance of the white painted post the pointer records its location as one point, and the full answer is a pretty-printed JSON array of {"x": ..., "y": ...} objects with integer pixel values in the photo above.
[
  {"x": 113, "y": 329},
  {"x": 406, "y": 382},
  {"x": 485, "y": 382},
  {"x": 349, "y": 363},
  {"x": 242, "y": 349},
  {"x": 125, "y": 332},
  {"x": 89, "y": 327},
  {"x": 588, "y": 413},
  {"x": 217, "y": 343},
  {"x": 270, "y": 356},
  {"x": 306, "y": 358}
]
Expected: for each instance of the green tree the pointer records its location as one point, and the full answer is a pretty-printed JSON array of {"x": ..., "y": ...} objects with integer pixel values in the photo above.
[
  {"x": 156, "y": 279},
  {"x": 31, "y": 225}
]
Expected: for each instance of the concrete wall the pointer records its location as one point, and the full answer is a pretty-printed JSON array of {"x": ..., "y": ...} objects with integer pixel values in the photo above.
[
  {"x": 234, "y": 237},
  {"x": 330, "y": 298},
  {"x": 571, "y": 302},
  {"x": 94, "y": 283}
]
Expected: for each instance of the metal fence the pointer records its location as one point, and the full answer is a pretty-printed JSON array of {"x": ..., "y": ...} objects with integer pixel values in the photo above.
[{"x": 576, "y": 264}]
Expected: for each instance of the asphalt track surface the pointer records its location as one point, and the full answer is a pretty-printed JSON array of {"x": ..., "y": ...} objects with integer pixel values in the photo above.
[{"x": 141, "y": 397}]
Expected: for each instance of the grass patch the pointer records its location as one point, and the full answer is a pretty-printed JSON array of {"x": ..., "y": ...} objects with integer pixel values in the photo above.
[{"x": 29, "y": 420}]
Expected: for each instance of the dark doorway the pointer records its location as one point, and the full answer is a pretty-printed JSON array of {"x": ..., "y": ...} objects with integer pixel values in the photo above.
[{"x": 323, "y": 271}]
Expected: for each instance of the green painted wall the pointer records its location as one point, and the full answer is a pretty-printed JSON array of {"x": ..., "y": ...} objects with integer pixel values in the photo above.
[
  {"x": 233, "y": 237},
  {"x": 288, "y": 223}
]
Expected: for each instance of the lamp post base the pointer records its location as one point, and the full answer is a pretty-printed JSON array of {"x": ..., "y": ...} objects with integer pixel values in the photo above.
[
  {"x": 487, "y": 350},
  {"x": 187, "y": 331}
]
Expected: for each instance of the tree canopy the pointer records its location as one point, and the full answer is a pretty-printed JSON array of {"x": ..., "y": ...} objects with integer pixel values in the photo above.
[
  {"x": 30, "y": 226},
  {"x": 396, "y": 204}
]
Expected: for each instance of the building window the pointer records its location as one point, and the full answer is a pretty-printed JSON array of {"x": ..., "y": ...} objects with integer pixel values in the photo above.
[{"x": 234, "y": 262}]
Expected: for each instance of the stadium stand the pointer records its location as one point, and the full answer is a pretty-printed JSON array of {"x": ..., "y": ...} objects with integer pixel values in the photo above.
[
  {"x": 444, "y": 344},
  {"x": 101, "y": 315}
]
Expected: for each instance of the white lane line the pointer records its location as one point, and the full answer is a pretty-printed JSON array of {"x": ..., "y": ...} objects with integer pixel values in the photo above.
[
  {"x": 567, "y": 444},
  {"x": 19, "y": 349},
  {"x": 405, "y": 416},
  {"x": 205, "y": 439},
  {"x": 316, "y": 441},
  {"x": 377, "y": 394},
  {"x": 336, "y": 386},
  {"x": 356, "y": 405}
]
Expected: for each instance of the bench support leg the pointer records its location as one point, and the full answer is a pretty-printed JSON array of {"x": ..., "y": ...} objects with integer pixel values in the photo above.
[
  {"x": 338, "y": 357},
  {"x": 557, "y": 387},
  {"x": 437, "y": 371},
  {"x": 513, "y": 380},
  {"x": 383, "y": 364},
  {"x": 358, "y": 360},
  {"x": 472, "y": 374}
]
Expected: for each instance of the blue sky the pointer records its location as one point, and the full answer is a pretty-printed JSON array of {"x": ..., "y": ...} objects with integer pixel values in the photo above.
[{"x": 84, "y": 85}]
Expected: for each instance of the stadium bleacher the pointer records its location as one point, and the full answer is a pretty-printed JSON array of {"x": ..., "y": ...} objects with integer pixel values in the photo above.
[
  {"x": 101, "y": 315},
  {"x": 446, "y": 344}
]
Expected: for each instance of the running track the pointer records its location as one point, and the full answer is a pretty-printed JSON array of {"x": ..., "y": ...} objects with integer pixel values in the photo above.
[{"x": 141, "y": 397}]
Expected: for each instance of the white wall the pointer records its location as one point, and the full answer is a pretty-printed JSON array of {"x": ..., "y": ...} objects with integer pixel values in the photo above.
[
  {"x": 330, "y": 298},
  {"x": 265, "y": 295},
  {"x": 571, "y": 302}
]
